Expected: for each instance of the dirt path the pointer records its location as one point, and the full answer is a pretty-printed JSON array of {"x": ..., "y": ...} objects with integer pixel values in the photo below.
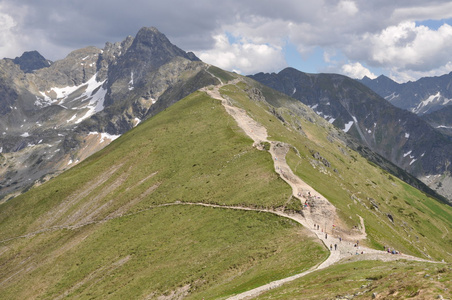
[{"x": 319, "y": 215}]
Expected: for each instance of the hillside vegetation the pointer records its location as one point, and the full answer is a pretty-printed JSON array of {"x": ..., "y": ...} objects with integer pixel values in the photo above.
[{"x": 128, "y": 221}]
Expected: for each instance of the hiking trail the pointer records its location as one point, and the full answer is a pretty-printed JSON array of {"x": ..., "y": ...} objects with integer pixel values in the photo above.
[{"x": 319, "y": 216}]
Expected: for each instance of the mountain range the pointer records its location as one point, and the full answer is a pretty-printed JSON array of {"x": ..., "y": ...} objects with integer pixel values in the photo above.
[
  {"x": 428, "y": 97},
  {"x": 396, "y": 134},
  {"x": 53, "y": 117},
  {"x": 174, "y": 179}
]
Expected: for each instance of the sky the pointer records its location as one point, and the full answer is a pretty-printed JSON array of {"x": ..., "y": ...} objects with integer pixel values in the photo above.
[{"x": 404, "y": 39}]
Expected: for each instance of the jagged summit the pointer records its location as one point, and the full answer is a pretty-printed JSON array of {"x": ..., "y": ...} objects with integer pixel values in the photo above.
[
  {"x": 54, "y": 117},
  {"x": 152, "y": 48},
  {"x": 31, "y": 60}
]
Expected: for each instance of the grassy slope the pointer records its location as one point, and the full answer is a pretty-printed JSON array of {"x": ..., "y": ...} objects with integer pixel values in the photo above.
[
  {"x": 421, "y": 225},
  {"x": 363, "y": 279},
  {"x": 193, "y": 152}
]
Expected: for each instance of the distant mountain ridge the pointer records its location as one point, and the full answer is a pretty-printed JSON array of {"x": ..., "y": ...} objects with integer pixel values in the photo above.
[
  {"x": 53, "y": 115},
  {"x": 30, "y": 61},
  {"x": 423, "y": 96},
  {"x": 396, "y": 134},
  {"x": 427, "y": 97}
]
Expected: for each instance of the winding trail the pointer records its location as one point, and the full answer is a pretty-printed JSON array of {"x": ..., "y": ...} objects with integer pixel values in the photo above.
[{"x": 319, "y": 215}]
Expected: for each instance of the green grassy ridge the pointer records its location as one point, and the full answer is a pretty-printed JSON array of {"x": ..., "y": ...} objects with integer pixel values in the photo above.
[
  {"x": 352, "y": 184},
  {"x": 216, "y": 251},
  {"x": 192, "y": 152},
  {"x": 388, "y": 280},
  {"x": 197, "y": 152}
]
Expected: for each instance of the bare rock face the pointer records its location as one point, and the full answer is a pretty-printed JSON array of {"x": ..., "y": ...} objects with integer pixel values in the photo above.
[
  {"x": 31, "y": 60},
  {"x": 149, "y": 51},
  {"x": 78, "y": 67},
  {"x": 53, "y": 115}
]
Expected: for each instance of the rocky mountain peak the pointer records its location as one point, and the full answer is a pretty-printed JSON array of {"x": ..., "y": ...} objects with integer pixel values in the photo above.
[
  {"x": 31, "y": 60},
  {"x": 76, "y": 68},
  {"x": 139, "y": 57},
  {"x": 154, "y": 47}
]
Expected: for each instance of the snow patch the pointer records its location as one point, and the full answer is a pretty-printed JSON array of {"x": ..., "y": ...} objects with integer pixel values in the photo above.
[
  {"x": 104, "y": 136},
  {"x": 131, "y": 81},
  {"x": 63, "y": 92},
  {"x": 432, "y": 99},
  {"x": 25, "y": 134},
  {"x": 348, "y": 126},
  {"x": 71, "y": 119},
  {"x": 96, "y": 102},
  {"x": 43, "y": 102},
  {"x": 407, "y": 135},
  {"x": 408, "y": 153},
  {"x": 96, "y": 99},
  {"x": 391, "y": 97}
]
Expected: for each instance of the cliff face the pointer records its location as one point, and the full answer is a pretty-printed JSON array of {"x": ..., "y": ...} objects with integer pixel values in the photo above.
[{"x": 53, "y": 115}]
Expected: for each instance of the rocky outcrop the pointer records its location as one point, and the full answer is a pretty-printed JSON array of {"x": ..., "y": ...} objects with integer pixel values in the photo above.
[
  {"x": 55, "y": 116},
  {"x": 31, "y": 60}
]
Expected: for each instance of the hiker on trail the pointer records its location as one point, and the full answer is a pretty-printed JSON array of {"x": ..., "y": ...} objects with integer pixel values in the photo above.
[
  {"x": 340, "y": 239},
  {"x": 317, "y": 226},
  {"x": 335, "y": 246},
  {"x": 331, "y": 247},
  {"x": 326, "y": 236}
]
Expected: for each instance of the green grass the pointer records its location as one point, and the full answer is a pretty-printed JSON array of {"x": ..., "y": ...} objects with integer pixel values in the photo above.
[
  {"x": 192, "y": 152},
  {"x": 197, "y": 152},
  {"x": 223, "y": 75},
  {"x": 352, "y": 184},
  {"x": 390, "y": 280},
  {"x": 215, "y": 251},
  {"x": 125, "y": 244}
]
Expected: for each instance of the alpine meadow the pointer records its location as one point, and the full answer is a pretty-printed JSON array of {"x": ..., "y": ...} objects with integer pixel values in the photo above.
[{"x": 159, "y": 176}]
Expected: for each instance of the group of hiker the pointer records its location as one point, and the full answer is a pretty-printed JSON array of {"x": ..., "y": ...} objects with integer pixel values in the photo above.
[{"x": 393, "y": 251}]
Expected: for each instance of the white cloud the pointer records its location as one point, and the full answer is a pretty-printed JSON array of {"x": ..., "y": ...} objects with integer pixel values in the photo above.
[
  {"x": 379, "y": 34},
  {"x": 347, "y": 7},
  {"x": 405, "y": 49},
  {"x": 356, "y": 70},
  {"x": 432, "y": 11},
  {"x": 8, "y": 42},
  {"x": 243, "y": 56}
]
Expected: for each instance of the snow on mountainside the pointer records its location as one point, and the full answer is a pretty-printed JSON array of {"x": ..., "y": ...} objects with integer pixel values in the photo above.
[
  {"x": 428, "y": 97},
  {"x": 396, "y": 134},
  {"x": 431, "y": 103},
  {"x": 89, "y": 102},
  {"x": 54, "y": 115},
  {"x": 423, "y": 96}
]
